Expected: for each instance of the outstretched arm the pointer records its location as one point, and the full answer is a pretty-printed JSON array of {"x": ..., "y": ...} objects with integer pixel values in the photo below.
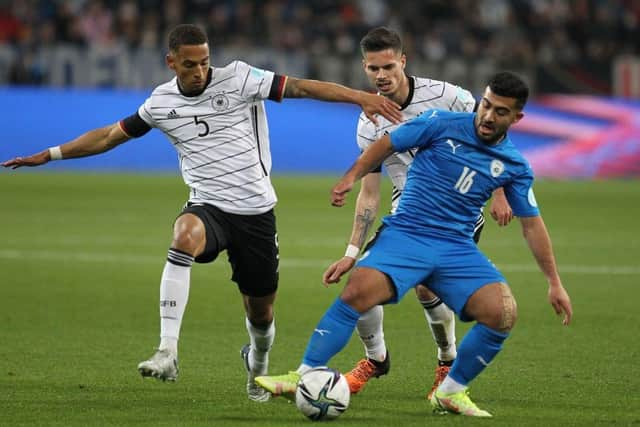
[
  {"x": 325, "y": 91},
  {"x": 372, "y": 157},
  {"x": 536, "y": 235},
  {"x": 93, "y": 142},
  {"x": 365, "y": 215}
]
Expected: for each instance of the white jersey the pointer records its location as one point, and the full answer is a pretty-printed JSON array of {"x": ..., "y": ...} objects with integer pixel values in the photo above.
[
  {"x": 221, "y": 136},
  {"x": 424, "y": 94}
]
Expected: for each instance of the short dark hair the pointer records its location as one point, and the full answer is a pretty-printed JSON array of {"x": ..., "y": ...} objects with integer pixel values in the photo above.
[
  {"x": 508, "y": 84},
  {"x": 186, "y": 34},
  {"x": 381, "y": 38}
]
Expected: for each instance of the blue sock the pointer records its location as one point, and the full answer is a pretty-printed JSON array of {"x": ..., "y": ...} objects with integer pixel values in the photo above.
[
  {"x": 476, "y": 351},
  {"x": 331, "y": 335}
]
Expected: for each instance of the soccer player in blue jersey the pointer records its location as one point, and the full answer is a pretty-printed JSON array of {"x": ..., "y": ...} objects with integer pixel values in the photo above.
[
  {"x": 384, "y": 63},
  {"x": 461, "y": 159}
]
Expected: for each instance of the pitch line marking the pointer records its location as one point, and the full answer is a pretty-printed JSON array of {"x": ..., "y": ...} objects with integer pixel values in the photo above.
[{"x": 287, "y": 262}]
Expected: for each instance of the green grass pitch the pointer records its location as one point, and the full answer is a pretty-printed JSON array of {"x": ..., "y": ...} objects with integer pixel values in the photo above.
[{"x": 80, "y": 262}]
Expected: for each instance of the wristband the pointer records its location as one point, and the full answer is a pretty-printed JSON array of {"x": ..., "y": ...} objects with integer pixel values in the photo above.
[
  {"x": 352, "y": 251},
  {"x": 55, "y": 153}
]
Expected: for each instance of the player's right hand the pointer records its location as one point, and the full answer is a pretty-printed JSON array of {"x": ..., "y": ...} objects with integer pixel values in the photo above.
[
  {"x": 35, "y": 160},
  {"x": 561, "y": 303},
  {"x": 500, "y": 209},
  {"x": 339, "y": 192},
  {"x": 336, "y": 270},
  {"x": 373, "y": 104}
]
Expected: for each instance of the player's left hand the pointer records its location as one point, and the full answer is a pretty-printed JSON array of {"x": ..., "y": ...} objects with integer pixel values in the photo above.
[
  {"x": 500, "y": 209},
  {"x": 561, "y": 303},
  {"x": 376, "y": 104},
  {"x": 34, "y": 160},
  {"x": 340, "y": 190}
]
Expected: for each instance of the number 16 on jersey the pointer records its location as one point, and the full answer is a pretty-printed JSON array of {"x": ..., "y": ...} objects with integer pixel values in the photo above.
[{"x": 465, "y": 181}]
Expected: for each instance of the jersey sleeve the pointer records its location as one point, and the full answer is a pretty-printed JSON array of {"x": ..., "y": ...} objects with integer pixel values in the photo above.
[
  {"x": 134, "y": 126},
  {"x": 366, "y": 135},
  {"x": 464, "y": 101},
  {"x": 418, "y": 132},
  {"x": 140, "y": 122},
  {"x": 520, "y": 195},
  {"x": 257, "y": 84},
  {"x": 145, "y": 113}
]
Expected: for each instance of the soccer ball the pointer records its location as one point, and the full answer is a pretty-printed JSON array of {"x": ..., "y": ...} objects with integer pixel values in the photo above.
[{"x": 322, "y": 394}]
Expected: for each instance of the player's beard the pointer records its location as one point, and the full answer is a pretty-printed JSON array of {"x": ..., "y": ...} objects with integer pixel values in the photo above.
[
  {"x": 493, "y": 140},
  {"x": 490, "y": 140}
]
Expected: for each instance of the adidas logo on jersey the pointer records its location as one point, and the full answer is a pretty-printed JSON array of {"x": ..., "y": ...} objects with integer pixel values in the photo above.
[{"x": 172, "y": 114}]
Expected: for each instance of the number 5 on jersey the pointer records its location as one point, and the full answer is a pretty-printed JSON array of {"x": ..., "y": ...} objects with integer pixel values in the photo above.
[
  {"x": 465, "y": 181},
  {"x": 205, "y": 131}
]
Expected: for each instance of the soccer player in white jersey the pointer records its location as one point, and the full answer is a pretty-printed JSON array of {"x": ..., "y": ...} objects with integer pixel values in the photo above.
[
  {"x": 384, "y": 64},
  {"x": 215, "y": 119}
]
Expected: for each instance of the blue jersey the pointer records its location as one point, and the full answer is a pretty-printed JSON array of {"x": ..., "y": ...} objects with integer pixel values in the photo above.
[{"x": 454, "y": 173}]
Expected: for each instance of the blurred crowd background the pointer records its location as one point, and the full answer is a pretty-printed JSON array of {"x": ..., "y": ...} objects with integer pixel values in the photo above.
[{"x": 560, "y": 45}]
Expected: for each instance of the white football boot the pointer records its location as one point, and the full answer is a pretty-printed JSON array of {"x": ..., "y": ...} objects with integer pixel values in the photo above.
[{"x": 162, "y": 365}]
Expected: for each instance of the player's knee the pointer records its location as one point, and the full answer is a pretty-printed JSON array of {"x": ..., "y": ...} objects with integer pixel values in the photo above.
[
  {"x": 189, "y": 234},
  {"x": 367, "y": 288},
  {"x": 424, "y": 294},
  {"x": 352, "y": 295},
  {"x": 355, "y": 295},
  {"x": 495, "y": 307}
]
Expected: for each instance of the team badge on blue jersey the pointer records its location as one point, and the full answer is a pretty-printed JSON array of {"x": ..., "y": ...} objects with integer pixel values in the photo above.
[{"x": 497, "y": 167}]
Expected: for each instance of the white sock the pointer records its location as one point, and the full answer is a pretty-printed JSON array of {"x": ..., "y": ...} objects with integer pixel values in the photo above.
[
  {"x": 441, "y": 321},
  {"x": 261, "y": 341},
  {"x": 369, "y": 329},
  {"x": 174, "y": 294},
  {"x": 450, "y": 385}
]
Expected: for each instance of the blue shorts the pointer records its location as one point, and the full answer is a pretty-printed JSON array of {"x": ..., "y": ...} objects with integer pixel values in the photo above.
[{"x": 453, "y": 270}]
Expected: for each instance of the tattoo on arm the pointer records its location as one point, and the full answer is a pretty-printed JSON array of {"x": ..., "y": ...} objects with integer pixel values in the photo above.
[{"x": 364, "y": 222}]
